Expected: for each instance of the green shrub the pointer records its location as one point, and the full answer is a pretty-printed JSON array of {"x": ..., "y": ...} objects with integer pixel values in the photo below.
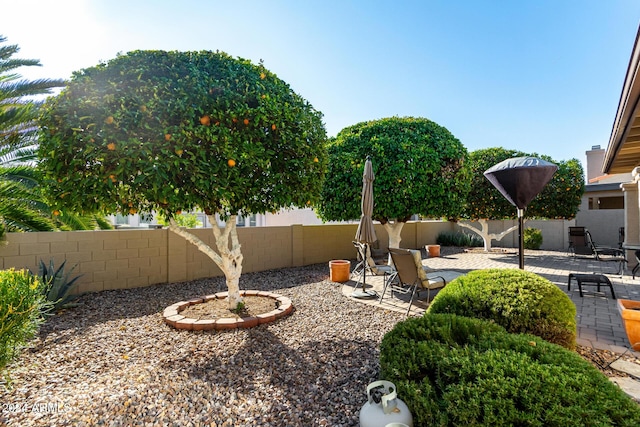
[
  {"x": 459, "y": 239},
  {"x": 21, "y": 305},
  {"x": 520, "y": 301},
  {"x": 58, "y": 284},
  {"x": 453, "y": 370},
  {"x": 532, "y": 238},
  {"x": 189, "y": 220}
]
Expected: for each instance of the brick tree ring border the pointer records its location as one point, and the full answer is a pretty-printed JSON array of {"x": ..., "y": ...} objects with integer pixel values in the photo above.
[{"x": 173, "y": 317}]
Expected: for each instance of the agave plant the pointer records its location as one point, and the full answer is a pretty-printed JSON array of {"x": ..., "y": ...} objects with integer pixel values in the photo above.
[{"x": 58, "y": 284}]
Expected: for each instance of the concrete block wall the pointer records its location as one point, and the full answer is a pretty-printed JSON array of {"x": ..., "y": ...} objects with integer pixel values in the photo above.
[
  {"x": 555, "y": 233},
  {"x": 113, "y": 259},
  {"x": 120, "y": 259}
]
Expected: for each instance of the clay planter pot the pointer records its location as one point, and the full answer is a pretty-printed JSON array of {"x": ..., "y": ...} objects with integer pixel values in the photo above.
[
  {"x": 630, "y": 312},
  {"x": 340, "y": 270},
  {"x": 433, "y": 250}
]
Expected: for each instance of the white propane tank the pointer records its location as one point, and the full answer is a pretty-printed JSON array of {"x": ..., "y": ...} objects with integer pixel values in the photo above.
[{"x": 383, "y": 408}]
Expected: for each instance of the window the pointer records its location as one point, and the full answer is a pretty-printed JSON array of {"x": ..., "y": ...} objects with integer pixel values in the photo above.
[
  {"x": 122, "y": 220},
  {"x": 615, "y": 202}
]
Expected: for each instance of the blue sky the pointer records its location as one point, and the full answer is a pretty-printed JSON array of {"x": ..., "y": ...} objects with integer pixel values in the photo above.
[{"x": 540, "y": 76}]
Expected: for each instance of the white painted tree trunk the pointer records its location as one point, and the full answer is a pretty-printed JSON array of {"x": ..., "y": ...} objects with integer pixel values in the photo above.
[
  {"x": 393, "y": 230},
  {"x": 228, "y": 258},
  {"x": 484, "y": 232}
]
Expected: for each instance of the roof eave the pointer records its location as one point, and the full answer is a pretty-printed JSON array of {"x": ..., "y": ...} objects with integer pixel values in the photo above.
[{"x": 627, "y": 108}]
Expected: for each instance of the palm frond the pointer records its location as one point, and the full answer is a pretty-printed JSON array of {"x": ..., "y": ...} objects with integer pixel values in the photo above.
[
  {"x": 19, "y": 218},
  {"x": 103, "y": 223}
]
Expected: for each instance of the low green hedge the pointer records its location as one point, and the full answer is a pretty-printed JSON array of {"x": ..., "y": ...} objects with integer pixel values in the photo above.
[
  {"x": 532, "y": 238},
  {"x": 520, "y": 301},
  {"x": 459, "y": 239},
  {"x": 453, "y": 370}
]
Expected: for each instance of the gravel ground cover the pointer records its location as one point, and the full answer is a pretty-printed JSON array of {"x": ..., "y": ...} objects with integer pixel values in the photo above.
[{"x": 113, "y": 361}]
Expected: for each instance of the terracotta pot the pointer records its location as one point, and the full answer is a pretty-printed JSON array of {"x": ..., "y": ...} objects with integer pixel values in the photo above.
[
  {"x": 433, "y": 250},
  {"x": 339, "y": 270},
  {"x": 630, "y": 312}
]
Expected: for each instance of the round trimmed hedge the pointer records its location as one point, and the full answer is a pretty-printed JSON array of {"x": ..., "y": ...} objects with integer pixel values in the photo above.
[
  {"x": 520, "y": 301},
  {"x": 455, "y": 370}
]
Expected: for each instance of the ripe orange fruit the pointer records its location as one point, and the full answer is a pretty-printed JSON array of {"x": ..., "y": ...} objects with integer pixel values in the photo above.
[
  {"x": 113, "y": 178},
  {"x": 205, "y": 120},
  {"x": 56, "y": 213},
  {"x": 179, "y": 152},
  {"x": 273, "y": 127},
  {"x": 109, "y": 120},
  {"x": 263, "y": 96},
  {"x": 315, "y": 160},
  {"x": 246, "y": 122},
  {"x": 231, "y": 163},
  {"x": 234, "y": 120},
  {"x": 133, "y": 211},
  {"x": 263, "y": 76},
  {"x": 178, "y": 212},
  {"x": 143, "y": 108},
  {"x": 111, "y": 146},
  {"x": 167, "y": 136}
]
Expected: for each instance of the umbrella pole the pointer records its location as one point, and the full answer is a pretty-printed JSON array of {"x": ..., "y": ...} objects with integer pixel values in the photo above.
[
  {"x": 364, "y": 268},
  {"x": 521, "y": 237}
]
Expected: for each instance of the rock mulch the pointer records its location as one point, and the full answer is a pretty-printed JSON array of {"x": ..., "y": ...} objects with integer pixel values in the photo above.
[{"x": 113, "y": 361}]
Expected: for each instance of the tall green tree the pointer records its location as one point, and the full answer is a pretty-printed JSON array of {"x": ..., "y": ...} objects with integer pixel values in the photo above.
[
  {"x": 177, "y": 131},
  {"x": 560, "y": 198},
  {"x": 418, "y": 167},
  {"x": 22, "y": 204}
]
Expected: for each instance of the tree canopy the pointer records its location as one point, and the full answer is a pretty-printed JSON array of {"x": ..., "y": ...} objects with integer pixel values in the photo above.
[
  {"x": 172, "y": 131},
  {"x": 560, "y": 198},
  {"x": 418, "y": 168}
]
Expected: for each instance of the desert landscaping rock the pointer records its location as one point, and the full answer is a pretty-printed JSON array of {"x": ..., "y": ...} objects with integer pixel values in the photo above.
[{"x": 114, "y": 361}]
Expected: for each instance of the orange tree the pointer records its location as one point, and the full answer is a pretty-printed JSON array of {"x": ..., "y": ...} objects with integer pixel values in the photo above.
[
  {"x": 176, "y": 131},
  {"x": 560, "y": 198},
  {"x": 418, "y": 167}
]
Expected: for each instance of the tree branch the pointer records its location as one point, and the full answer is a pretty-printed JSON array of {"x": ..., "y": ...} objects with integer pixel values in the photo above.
[{"x": 196, "y": 241}]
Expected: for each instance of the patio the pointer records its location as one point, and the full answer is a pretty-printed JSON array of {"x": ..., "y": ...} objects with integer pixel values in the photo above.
[{"x": 598, "y": 320}]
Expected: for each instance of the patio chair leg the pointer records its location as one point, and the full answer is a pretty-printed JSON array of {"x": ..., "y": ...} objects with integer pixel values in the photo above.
[
  {"x": 384, "y": 289},
  {"x": 413, "y": 293}
]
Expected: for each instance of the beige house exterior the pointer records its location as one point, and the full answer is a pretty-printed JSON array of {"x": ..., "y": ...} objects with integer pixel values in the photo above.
[
  {"x": 602, "y": 207},
  {"x": 623, "y": 151}
]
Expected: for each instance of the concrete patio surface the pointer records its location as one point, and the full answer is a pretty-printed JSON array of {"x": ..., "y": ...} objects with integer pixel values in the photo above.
[{"x": 598, "y": 320}]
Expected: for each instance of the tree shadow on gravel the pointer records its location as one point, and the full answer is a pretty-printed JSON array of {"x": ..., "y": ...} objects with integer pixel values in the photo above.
[{"x": 320, "y": 383}]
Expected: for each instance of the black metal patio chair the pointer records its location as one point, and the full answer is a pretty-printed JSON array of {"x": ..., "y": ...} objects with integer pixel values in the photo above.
[{"x": 581, "y": 243}]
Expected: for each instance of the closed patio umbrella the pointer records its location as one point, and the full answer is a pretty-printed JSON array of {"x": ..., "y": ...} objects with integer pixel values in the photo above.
[
  {"x": 366, "y": 233},
  {"x": 520, "y": 180}
]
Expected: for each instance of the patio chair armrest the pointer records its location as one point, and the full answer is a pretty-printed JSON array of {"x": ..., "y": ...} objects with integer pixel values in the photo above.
[{"x": 610, "y": 251}]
